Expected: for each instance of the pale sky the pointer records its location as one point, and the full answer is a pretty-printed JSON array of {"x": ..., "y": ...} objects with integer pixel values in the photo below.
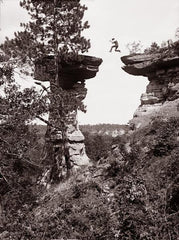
[{"x": 113, "y": 95}]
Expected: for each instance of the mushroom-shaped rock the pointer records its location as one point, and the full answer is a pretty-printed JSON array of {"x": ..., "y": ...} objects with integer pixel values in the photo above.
[
  {"x": 72, "y": 76},
  {"x": 85, "y": 67}
]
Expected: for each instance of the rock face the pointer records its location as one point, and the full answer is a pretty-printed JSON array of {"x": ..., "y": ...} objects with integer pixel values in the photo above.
[
  {"x": 71, "y": 72},
  {"x": 162, "y": 71},
  {"x": 72, "y": 78}
]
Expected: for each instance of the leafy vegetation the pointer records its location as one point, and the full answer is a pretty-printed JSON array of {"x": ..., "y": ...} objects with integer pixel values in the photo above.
[
  {"x": 17, "y": 142},
  {"x": 128, "y": 195},
  {"x": 166, "y": 48},
  {"x": 20, "y": 150},
  {"x": 146, "y": 189},
  {"x": 55, "y": 29},
  {"x": 97, "y": 146},
  {"x": 134, "y": 47}
]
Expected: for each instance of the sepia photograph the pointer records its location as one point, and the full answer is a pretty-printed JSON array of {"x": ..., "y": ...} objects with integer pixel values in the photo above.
[{"x": 89, "y": 120}]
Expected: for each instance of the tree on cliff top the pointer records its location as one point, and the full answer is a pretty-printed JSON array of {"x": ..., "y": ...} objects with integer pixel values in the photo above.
[{"x": 55, "y": 29}]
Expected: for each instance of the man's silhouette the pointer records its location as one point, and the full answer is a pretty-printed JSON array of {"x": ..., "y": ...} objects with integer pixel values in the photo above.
[{"x": 115, "y": 45}]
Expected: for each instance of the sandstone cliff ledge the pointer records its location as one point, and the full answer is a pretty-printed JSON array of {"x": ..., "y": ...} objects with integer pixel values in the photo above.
[
  {"x": 162, "y": 93},
  {"x": 71, "y": 72}
]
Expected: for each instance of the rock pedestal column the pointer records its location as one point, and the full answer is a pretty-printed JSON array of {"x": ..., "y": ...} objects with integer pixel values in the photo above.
[{"x": 73, "y": 75}]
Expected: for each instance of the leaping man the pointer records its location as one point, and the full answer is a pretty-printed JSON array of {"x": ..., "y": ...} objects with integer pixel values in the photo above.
[{"x": 115, "y": 45}]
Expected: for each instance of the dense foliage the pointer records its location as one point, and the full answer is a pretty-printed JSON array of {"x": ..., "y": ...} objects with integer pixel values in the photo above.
[
  {"x": 17, "y": 143},
  {"x": 100, "y": 138},
  {"x": 146, "y": 189},
  {"x": 166, "y": 48},
  {"x": 97, "y": 146},
  {"x": 128, "y": 194},
  {"x": 55, "y": 29}
]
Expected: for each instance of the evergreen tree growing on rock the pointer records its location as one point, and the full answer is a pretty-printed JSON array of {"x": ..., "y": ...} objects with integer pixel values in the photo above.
[{"x": 54, "y": 29}]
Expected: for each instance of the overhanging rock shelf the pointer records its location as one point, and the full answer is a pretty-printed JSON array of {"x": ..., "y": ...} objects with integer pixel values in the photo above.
[{"x": 162, "y": 71}]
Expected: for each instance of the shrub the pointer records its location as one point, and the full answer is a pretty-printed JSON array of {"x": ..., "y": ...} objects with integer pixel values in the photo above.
[
  {"x": 134, "y": 47},
  {"x": 152, "y": 49},
  {"x": 97, "y": 146},
  {"x": 146, "y": 188}
]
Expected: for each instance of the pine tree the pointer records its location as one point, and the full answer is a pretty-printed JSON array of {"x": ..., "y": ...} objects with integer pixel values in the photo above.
[
  {"x": 17, "y": 108},
  {"x": 54, "y": 29}
]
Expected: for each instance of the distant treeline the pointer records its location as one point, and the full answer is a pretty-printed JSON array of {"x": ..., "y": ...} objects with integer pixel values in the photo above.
[
  {"x": 101, "y": 129},
  {"x": 104, "y": 128}
]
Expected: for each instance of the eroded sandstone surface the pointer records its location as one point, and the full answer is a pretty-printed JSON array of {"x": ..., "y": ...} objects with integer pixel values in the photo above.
[
  {"x": 162, "y": 92},
  {"x": 72, "y": 78}
]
